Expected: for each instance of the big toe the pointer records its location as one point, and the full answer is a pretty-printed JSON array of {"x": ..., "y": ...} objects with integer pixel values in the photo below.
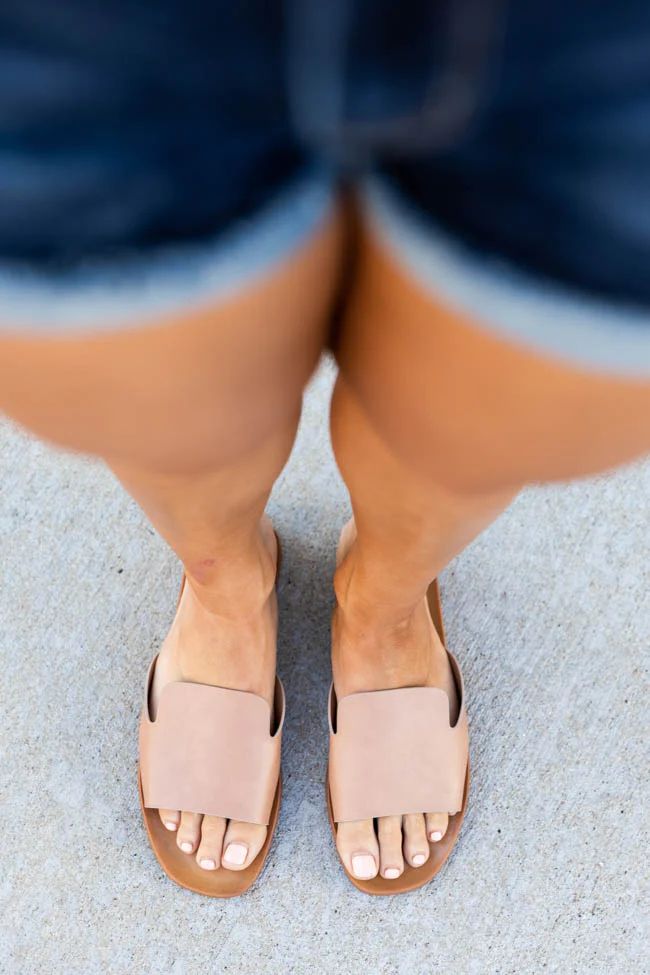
[
  {"x": 358, "y": 848},
  {"x": 241, "y": 844}
]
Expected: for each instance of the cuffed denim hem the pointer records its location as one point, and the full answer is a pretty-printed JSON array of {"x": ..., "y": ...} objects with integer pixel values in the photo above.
[
  {"x": 579, "y": 328},
  {"x": 111, "y": 294}
]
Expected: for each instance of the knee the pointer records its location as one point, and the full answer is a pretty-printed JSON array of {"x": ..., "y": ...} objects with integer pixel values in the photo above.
[
  {"x": 220, "y": 440},
  {"x": 156, "y": 407},
  {"x": 476, "y": 439},
  {"x": 467, "y": 408},
  {"x": 407, "y": 432}
]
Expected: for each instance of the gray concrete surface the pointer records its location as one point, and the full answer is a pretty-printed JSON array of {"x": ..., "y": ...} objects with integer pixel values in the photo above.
[{"x": 550, "y": 615}]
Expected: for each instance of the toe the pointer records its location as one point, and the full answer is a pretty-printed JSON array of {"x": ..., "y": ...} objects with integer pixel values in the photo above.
[
  {"x": 358, "y": 848},
  {"x": 416, "y": 846},
  {"x": 241, "y": 844},
  {"x": 208, "y": 855},
  {"x": 391, "y": 863},
  {"x": 189, "y": 831},
  {"x": 170, "y": 818},
  {"x": 436, "y": 826}
]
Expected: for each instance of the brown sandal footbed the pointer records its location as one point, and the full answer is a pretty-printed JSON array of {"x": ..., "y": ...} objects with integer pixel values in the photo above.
[{"x": 183, "y": 869}]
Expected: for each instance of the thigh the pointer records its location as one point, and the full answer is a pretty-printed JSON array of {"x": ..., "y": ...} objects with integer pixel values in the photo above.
[
  {"x": 156, "y": 148},
  {"x": 491, "y": 373},
  {"x": 187, "y": 389},
  {"x": 467, "y": 407}
]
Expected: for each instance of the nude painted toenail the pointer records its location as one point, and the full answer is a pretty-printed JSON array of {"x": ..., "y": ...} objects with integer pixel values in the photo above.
[
  {"x": 207, "y": 864},
  {"x": 436, "y": 836},
  {"x": 170, "y": 825},
  {"x": 418, "y": 859},
  {"x": 392, "y": 873},
  {"x": 363, "y": 866},
  {"x": 235, "y": 854},
  {"x": 186, "y": 847}
]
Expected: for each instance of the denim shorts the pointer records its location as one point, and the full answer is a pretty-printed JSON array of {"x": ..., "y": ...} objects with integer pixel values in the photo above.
[{"x": 155, "y": 155}]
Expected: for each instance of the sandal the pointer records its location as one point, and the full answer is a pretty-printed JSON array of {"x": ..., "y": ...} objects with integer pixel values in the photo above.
[
  {"x": 394, "y": 752},
  {"x": 235, "y": 736}
]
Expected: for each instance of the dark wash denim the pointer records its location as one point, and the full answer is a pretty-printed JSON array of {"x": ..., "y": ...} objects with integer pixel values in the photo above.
[{"x": 520, "y": 126}]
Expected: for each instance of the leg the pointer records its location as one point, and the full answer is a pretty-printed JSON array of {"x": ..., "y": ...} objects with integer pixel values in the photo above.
[
  {"x": 196, "y": 415},
  {"x": 435, "y": 426},
  {"x": 224, "y": 631}
]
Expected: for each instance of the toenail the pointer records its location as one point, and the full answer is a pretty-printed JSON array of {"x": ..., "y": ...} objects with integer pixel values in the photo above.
[
  {"x": 436, "y": 836},
  {"x": 186, "y": 847},
  {"x": 418, "y": 859},
  {"x": 392, "y": 873},
  {"x": 235, "y": 854},
  {"x": 170, "y": 825},
  {"x": 207, "y": 864},
  {"x": 363, "y": 866}
]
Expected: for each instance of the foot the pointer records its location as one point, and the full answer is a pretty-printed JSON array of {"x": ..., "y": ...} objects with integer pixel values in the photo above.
[
  {"x": 372, "y": 656},
  {"x": 235, "y": 651}
]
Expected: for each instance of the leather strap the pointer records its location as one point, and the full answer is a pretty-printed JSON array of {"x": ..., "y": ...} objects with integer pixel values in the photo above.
[
  {"x": 395, "y": 752},
  {"x": 211, "y": 750}
]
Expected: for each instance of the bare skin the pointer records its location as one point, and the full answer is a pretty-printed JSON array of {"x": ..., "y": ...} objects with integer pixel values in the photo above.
[
  {"x": 197, "y": 415},
  {"x": 435, "y": 426},
  {"x": 233, "y": 649},
  {"x": 368, "y": 658},
  {"x": 224, "y": 630}
]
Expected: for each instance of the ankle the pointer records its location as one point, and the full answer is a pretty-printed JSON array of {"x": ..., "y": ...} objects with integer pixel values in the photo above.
[
  {"x": 236, "y": 649},
  {"x": 382, "y": 636},
  {"x": 237, "y": 584},
  {"x": 370, "y": 606},
  {"x": 371, "y": 652}
]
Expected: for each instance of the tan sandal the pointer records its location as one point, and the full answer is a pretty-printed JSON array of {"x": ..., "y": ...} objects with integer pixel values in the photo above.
[
  {"x": 237, "y": 739},
  {"x": 394, "y": 752}
]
